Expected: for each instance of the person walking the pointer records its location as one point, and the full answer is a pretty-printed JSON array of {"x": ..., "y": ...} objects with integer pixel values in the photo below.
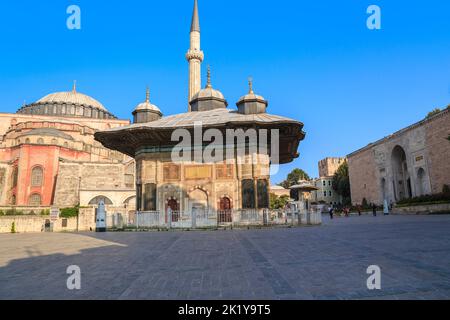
[
  {"x": 330, "y": 211},
  {"x": 359, "y": 211},
  {"x": 374, "y": 210}
]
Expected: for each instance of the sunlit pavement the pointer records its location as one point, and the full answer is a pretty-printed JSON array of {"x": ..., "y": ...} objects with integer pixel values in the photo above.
[{"x": 326, "y": 262}]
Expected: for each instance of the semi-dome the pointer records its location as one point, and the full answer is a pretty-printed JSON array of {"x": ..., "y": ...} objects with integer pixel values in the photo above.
[
  {"x": 208, "y": 98},
  {"x": 146, "y": 111},
  {"x": 51, "y": 132},
  {"x": 69, "y": 104}
]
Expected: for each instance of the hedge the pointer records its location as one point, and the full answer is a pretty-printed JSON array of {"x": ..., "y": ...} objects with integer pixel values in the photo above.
[
  {"x": 69, "y": 212},
  {"x": 439, "y": 198}
]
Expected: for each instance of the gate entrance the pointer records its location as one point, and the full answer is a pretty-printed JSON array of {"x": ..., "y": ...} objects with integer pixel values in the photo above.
[
  {"x": 172, "y": 204},
  {"x": 224, "y": 214}
]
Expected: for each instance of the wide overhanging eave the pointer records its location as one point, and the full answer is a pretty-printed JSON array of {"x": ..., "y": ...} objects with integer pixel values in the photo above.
[{"x": 129, "y": 139}]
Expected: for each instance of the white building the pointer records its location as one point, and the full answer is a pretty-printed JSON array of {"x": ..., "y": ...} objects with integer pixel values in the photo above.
[{"x": 326, "y": 193}]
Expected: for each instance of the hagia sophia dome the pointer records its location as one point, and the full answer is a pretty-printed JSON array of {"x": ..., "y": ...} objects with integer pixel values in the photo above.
[{"x": 69, "y": 104}]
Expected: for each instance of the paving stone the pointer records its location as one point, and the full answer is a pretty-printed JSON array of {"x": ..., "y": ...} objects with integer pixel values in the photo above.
[{"x": 327, "y": 262}]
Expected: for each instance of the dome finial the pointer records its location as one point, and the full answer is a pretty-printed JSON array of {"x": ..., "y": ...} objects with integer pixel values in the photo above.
[
  {"x": 147, "y": 95},
  {"x": 208, "y": 82},
  {"x": 250, "y": 85},
  {"x": 74, "y": 88}
]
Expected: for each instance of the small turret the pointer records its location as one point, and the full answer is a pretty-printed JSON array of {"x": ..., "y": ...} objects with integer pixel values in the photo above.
[
  {"x": 208, "y": 98},
  {"x": 146, "y": 112},
  {"x": 252, "y": 103}
]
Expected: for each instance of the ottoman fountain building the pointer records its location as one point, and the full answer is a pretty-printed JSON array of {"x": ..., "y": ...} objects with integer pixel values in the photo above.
[{"x": 211, "y": 162}]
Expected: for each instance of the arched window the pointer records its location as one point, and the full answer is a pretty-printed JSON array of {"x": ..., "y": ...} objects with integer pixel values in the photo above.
[
  {"x": 35, "y": 200},
  {"x": 54, "y": 141},
  {"x": 15, "y": 177},
  {"x": 95, "y": 201},
  {"x": 37, "y": 176},
  {"x": 224, "y": 214},
  {"x": 27, "y": 140},
  {"x": 40, "y": 141},
  {"x": 66, "y": 145},
  {"x": 131, "y": 201}
]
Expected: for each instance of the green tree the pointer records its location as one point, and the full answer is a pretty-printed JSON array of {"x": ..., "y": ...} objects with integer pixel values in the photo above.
[
  {"x": 69, "y": 212},
  {"x": 278, "y": 202},
  {"x": 434, "y": 112},
  {"x": 293, "y": 178},
  {"x": 341, "y": 183}
]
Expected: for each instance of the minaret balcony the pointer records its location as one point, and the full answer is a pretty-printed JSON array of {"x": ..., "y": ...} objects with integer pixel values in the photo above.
[{"x": 195, "y": 54}]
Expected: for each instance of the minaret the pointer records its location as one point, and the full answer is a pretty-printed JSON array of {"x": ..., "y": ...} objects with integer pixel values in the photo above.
[{"x": 194, "y": 56}]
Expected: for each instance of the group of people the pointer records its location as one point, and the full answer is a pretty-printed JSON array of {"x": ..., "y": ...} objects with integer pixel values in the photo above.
[{"x": 346, "y": 211}]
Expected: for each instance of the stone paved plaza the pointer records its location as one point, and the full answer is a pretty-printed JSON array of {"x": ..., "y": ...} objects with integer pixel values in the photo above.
[{"x": 327, "y": 262}]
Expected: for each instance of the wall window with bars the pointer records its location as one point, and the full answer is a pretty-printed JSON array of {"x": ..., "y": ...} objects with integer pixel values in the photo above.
[
  {"x": 248, "y": 194},
  {"x": 150, "y": 197},
  {"x": 263, "y": 194},
  {"x": 138, "y": 197}
]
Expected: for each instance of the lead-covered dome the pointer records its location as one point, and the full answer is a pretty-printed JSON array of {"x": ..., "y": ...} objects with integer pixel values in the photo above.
[
  {"x": 252, "y": 103},
  {"x": 146, "y": 111},
  {"x": 208, "y": 98},
  {"x": 69, "y": 104}
]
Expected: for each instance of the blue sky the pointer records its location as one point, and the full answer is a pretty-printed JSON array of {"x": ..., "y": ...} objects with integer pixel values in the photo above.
[{"x": 315, "y": 61}]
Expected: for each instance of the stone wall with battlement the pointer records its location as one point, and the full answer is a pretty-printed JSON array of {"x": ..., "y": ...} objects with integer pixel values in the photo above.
[
  {"x": 409, "y": 163},
  {"x": 329, "y": 166}
]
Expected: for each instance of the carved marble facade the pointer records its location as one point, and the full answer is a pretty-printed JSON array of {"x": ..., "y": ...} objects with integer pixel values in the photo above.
[{"x": 191, "y": 184}]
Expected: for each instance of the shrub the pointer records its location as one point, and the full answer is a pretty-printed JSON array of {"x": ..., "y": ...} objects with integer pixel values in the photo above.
[
  {"x": 426, "y": 199},
  {"x": 2, "y": 213},
  {"x": 13, "y": 227},
  {"x": 45, "y": 212},
  {"x": 69, "y": 212},
  {"x": 14, "y": 212},
  {"x": 433, "y": 113}
]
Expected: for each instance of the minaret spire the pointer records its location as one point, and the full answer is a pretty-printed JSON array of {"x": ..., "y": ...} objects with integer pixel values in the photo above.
[
  {"x": 74, "y": 88},
  {"x": 195, "y": 24},
  {"x": 147, "y": 95},
  {"x": 194, "y": 56}
]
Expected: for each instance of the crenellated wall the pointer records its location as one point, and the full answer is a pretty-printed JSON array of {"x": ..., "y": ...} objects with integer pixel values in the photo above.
[{"x": 408, "y": 163}]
